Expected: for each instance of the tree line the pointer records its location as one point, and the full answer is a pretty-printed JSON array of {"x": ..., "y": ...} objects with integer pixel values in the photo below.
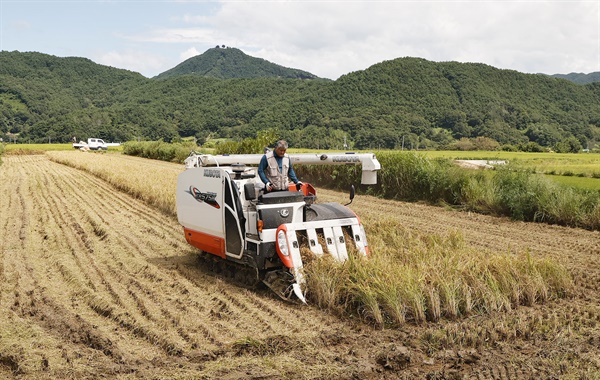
[{"x": 406, "y": 103}]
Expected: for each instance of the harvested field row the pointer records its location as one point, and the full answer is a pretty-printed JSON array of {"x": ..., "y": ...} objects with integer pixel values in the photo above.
[
  {"x": 96, "y": 283},
  {"x": 81, "y": 251}
]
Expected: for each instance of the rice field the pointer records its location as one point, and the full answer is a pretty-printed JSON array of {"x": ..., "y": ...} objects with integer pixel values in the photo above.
[{"x": 97, "y": 281}]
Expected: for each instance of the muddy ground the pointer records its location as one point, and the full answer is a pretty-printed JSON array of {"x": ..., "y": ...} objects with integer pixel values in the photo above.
[{"x": 96, "y": 284}]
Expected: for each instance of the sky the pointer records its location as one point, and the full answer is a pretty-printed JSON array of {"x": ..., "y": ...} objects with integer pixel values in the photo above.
[{"x": 328, "y": 38}]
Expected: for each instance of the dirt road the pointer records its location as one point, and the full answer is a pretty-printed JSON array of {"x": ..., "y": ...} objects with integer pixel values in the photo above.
[{"x": 95, "y": 283}]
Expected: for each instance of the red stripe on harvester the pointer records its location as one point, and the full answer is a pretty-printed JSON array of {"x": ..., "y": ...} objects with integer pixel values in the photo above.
[{"x": 207, "y": 243}]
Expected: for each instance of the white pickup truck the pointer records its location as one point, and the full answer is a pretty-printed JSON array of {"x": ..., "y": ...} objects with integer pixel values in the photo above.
[{"x": 94, "y": 144}]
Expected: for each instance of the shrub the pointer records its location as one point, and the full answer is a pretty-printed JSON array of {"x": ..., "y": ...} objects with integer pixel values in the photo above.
[
  {"x": 531, "y": 147},
  {"x": 255, "y": 145},
  {"x": 485, "y": 143},
  {"x": 159, "y": 150},
  {"x": 568, "y": 145}
]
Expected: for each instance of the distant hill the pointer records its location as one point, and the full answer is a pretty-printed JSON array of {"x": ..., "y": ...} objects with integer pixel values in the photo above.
[
  {"x": 229, "y": 63},
  {"x": 580, "y": 78},
  {"x": 405, "y": 102}
]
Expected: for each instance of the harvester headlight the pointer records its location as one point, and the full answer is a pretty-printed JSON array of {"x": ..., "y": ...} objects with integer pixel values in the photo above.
[{"x": 282, "y": 243}]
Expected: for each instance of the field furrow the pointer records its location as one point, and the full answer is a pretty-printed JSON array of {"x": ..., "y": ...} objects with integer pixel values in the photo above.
[{"x": 119, "y": 261}]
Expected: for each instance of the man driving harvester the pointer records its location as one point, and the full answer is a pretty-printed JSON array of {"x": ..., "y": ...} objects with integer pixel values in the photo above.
[{"x": 275, "y": 169}]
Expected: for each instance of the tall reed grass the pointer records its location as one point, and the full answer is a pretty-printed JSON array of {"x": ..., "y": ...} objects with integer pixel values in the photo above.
[
  {"x": 159, "y": 150},
  {"x": 508, "y": 191},
  {"x": 529, "y": 197},
  {"x": 264, "y": 139},
  {"x": 429, "y": 277}
]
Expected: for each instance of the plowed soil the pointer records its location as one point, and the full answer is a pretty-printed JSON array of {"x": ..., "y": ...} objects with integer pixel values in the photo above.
[{"x": 96, "y": 284}]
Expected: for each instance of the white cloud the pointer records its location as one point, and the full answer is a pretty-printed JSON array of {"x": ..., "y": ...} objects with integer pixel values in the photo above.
[
  {"x": 332, "y": 38},
  {"x": 326, "y": 37},
  {"x": 176, "y": 35},
  {"x": 141, "y": 62},
  {"x": 189, "y": 53},
  {"x": 20, "y": 25}
]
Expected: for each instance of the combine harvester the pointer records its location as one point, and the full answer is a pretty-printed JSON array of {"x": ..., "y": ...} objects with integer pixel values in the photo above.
[{"x": 224, "y": 211}]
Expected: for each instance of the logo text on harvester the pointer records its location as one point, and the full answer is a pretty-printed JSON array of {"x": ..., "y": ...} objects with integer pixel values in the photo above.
[
  {"x": 345, "y": 159},
  {"x": 209, "y": 198},
  {"x": 212, "y": 173}
]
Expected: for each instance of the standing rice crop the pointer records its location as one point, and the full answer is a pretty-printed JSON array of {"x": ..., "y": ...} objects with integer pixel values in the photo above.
[{"x": 411, "y": 277}]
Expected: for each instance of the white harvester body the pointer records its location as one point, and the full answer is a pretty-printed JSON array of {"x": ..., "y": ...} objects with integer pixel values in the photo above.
[{"x": 225, "y": 211}]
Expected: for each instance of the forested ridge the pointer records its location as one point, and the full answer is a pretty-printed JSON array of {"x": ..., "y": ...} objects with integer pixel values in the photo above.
[
  {"x": 580, "y": 78},
  {"x": 407, "y": 102}
]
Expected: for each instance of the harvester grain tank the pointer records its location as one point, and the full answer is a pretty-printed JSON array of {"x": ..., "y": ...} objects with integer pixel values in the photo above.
[{"x": 225, "y": 212}]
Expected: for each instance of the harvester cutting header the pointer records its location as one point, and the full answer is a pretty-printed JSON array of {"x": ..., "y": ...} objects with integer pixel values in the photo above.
[{"x": 226, "y": 211}]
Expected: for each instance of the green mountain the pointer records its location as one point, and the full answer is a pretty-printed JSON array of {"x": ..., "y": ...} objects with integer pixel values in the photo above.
[
  {"x": 580, "y": 78},
  {"x": 401, "y": 102},
  {"x": 227, "y": 63},
  {"x": 43, "y": 95}
]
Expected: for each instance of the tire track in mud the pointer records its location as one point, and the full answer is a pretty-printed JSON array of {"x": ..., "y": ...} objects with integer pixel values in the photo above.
[{"x": 499, "y": 371}]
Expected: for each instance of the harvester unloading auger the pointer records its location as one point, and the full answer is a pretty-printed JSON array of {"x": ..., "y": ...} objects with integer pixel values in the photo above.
[{"x": 224, "y": 211}]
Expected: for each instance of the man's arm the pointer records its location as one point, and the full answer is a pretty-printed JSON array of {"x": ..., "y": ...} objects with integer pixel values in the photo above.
[
  {"x": 261, "y": 170},
  {"x": 292, "y": 174}
]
